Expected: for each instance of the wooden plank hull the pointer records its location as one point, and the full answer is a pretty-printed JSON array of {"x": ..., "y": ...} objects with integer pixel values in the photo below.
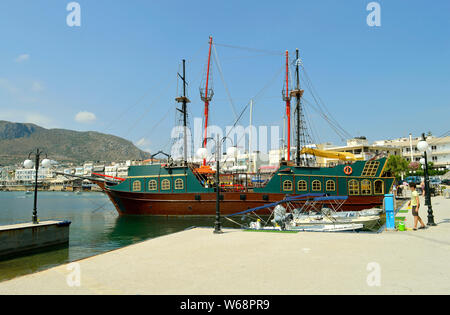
[{"x": 185, "y": 204}]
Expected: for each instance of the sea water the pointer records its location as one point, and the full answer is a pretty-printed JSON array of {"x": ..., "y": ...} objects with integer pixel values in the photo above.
[{"x": 96, "y": 227}]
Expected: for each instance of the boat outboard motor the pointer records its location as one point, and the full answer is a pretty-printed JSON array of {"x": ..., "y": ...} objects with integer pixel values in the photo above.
[{"x": 279, "y": 216}]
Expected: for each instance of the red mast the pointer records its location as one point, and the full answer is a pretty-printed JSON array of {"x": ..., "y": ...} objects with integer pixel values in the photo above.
[
  {"x": 206, "y": 96},
  {"x": 287, "y": 98}
]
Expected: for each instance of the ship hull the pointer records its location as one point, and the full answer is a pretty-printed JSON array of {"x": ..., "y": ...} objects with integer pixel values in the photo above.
[{"x": 191, "y": 204}]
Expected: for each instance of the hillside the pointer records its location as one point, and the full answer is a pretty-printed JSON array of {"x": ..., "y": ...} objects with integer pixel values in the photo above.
[{"x": 18, "y": 139}]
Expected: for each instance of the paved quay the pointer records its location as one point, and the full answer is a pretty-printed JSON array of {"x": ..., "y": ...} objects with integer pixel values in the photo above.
[{"x": 237, "y": 262}]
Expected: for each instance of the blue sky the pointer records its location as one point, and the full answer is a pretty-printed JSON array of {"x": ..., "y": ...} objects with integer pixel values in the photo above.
[{"x": 120, "y": 65}]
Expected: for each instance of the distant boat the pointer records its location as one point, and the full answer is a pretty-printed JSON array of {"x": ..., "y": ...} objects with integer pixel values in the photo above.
[
  {"x": 78, "y": 193},
  {"x": 28, "y": 192}
]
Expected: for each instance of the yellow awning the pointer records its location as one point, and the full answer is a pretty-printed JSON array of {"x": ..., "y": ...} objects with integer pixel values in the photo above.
[{"x": 343, "y": 156}]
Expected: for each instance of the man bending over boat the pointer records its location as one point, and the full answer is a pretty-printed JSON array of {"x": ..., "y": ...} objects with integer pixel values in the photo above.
[{"x": 415, "y": 204}]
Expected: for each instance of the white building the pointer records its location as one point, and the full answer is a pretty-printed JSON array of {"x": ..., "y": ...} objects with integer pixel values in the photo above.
[
  {"x": 88, "y": 168},
  {"x": 440, "y": 149},
  {"x": 27, "y": 175},
  {"x": 79, "y": 171},
  {"x": 111, "y": 170}
]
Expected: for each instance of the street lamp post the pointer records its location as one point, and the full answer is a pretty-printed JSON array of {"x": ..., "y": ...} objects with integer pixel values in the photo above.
[
  {"x": 29, "y": 164},
  {"x": 202, "y": 152},
  {"x": 423, "y": 146}
]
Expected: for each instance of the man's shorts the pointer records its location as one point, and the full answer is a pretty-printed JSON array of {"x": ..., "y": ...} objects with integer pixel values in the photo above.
[{"x": 415, "y": 213}]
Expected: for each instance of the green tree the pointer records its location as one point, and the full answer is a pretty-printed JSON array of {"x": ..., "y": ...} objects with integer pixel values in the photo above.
[{"x": 396, "y": 165}]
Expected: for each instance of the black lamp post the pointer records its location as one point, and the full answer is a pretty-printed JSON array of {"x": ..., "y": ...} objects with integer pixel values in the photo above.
[
  {"x": 423, "y": 146},
  {"x": 217, "y": 224},
  {"x": 29, "y": 164}
]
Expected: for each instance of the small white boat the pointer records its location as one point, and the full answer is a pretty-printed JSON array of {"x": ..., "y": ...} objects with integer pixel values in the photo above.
[
  {"x": 286, "y": 215},
  {"x": 329, "y": 227}
]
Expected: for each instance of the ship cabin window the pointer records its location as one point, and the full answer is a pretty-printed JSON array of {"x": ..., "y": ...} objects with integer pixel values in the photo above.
[
  {"x": 316, "y": 185},
  {"x": 165, "y": 184},
  {"x": 331, "y": 186},
  {"x": 137, "y": 185},
  {"x": 371, "y": 168},
  {"x": 179, "y": 183},
  {"x": 366, "y": 187},
  {"x": 302, "y": 185},
  {"x": 287, "y": 185},
  {"x": 353, "y": 187},
  {"x": 379, "y": 187},
  {"x": 152, "y": 185}
]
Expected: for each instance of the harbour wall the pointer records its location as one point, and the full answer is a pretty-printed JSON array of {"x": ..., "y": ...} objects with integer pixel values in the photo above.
[{"x": 22, "y": 238}]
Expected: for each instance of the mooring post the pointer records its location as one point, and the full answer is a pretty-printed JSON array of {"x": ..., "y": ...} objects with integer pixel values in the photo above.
[{"x": 389, "y": 208}]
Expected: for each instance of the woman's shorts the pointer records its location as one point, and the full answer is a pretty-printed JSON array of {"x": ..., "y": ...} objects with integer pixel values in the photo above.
[{"x": 415, "y": 213}]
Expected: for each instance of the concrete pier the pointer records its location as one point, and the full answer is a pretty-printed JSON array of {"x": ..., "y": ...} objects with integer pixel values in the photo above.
[
  {"x": 17, "y": 239},
  {"x": 238, "y": 262}
]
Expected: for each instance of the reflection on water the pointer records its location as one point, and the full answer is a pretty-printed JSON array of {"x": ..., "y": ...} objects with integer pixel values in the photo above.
[{"x": 96, "y": 227}]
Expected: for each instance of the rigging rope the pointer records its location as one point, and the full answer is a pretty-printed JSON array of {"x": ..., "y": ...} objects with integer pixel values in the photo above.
[
  {"x": 269, "y": 52},
  {"x": 216, "y": 60},
  {"x": 321, "y": 104}
]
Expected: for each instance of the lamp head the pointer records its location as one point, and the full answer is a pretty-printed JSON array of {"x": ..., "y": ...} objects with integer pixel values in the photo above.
[
  {"x": 46, "y": 163},
  {"x": 422, "y": 146},
  {"x": 202, "y": 153},
  {"x": 28, "y": 163}
]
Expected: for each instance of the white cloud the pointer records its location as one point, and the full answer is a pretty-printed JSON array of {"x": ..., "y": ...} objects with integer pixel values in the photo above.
[
  {"x": 143, "y": 144},
  {"x": 85, "y": 117},
  {"x": 38, "y": 119},
  {"x": 27, "y": 117},
  {"x": 37, "y": 86},
  {"x": 8, "y": 86},
  {"x": 22, "y": 58}
]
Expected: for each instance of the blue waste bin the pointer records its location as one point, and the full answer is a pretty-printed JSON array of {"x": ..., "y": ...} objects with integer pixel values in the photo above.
[{"x": 389, "y": 208}]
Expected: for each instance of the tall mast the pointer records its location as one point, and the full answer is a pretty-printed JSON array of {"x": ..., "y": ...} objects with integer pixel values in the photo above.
[
  {"x": 250, "y": 165},
  {"x": 287, "y": 98},
  {"x": 184, "y": 100},
  {"x": 297, "y": 93},
  {"x": 206, "y": 96}
]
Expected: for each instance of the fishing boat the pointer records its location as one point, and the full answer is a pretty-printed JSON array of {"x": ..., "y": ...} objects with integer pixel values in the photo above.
[{"x": 187, "y": 188}]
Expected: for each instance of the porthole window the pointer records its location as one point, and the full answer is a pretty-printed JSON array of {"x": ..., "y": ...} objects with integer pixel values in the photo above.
[
  {"x": 179, "y": 184},
  {"x": 316, "y": 185},
  {"x": 353, "y": 187},
  {"x": 331, "y": 186},
  {"x": 152, "y": 185},
  {"x": 302, "y": 185},
  {"x": 165, "y": 184},
  {"x": 287, "y": 185},
  {"x": 379, "y": 187},
  {"x": 366, "y": 187},
  {"x": 137, "y": 185}
]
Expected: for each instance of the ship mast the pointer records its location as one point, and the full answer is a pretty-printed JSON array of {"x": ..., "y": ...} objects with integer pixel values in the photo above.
[
  {"x": 206, "y": 96},
  {"x": 287, "y": 98},
  {"x": 184, "y": 100},
  {"x": 297, "y": 93}
]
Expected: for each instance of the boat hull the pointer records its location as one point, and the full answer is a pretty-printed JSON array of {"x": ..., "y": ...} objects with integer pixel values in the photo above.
[{"x": 187, "y": 204}]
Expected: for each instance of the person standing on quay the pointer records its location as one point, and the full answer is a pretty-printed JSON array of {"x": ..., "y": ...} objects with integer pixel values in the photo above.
[
  {"x": 422, "y": 187},
  {"x": 415, "y": 204}
]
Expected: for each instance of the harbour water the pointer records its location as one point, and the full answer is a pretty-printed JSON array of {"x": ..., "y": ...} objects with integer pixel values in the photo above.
[{"x": 96, "y": 227}]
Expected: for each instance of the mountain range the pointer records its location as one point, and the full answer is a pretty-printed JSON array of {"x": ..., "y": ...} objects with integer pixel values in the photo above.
[{"x": 17, "y": 140}]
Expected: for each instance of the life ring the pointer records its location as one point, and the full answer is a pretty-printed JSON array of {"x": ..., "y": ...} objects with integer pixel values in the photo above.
[{"x": 348, "y": 170}]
